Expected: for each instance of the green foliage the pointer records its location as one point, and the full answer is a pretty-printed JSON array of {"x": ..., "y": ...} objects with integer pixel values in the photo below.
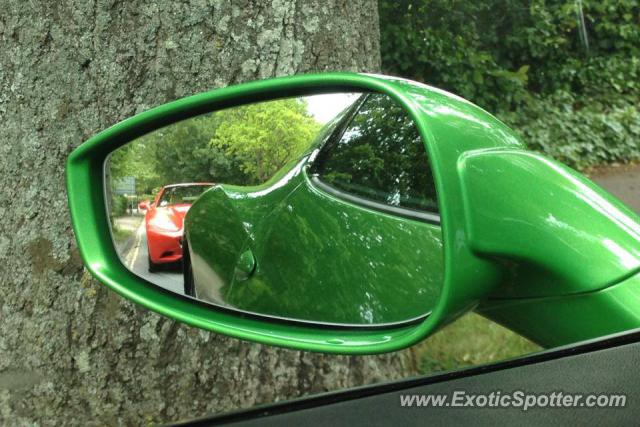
[
  {"x": 449, "y": 44},
  {"x": 469, "y": 341},
  {"x": 529, "y": 62},
  {"x": 263, "y": 137},
  {"x": 243, "y": 145},
  {"x": 120, "y": 235},
  {"x": 183, "y": 153},
  {"x": 118, "y": 205},
  {"x": 136, "y": 159},
  {"x": 580, "y": 135},
  {"x": 380, "y": 156}
]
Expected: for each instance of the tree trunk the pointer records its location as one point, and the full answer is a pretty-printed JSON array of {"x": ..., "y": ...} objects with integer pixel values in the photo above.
[{"x": 70, "y": 350}]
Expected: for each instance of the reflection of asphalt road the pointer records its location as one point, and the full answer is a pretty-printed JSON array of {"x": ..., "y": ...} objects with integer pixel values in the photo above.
[{"x": 136, "y": 260}]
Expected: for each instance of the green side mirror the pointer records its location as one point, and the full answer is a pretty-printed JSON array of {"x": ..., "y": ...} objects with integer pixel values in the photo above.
[{"x": 347, "y": 213}]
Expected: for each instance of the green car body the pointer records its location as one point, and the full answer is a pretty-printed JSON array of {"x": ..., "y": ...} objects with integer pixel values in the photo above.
[
  {"x": 315, "y": 253},
  {"x": 524, "y": 240}
]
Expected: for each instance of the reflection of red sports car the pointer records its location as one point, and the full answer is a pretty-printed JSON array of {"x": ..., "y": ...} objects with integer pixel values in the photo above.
[{"x": 163, "y": 221}]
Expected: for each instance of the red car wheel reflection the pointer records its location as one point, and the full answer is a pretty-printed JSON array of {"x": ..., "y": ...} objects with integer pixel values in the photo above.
[{"x": 164, "y": 221}]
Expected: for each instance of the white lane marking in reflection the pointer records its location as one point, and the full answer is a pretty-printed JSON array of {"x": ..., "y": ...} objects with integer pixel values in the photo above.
[{"x": 133, "y": 255}]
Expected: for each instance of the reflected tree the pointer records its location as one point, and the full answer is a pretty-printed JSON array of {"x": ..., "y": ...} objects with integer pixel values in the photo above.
[
  {"x": 380, "y": 155},
  {"x": 244, "y": 145},
  {"x": 263, "y": 137}
]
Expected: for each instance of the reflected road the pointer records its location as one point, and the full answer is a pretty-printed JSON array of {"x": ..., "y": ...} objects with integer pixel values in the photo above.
[{"x": 136, "y": 260}]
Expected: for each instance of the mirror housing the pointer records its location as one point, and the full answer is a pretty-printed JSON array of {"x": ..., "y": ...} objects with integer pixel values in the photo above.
[
  {"x": 144, "y": 205},
  {"x": 484, "y": 268}
]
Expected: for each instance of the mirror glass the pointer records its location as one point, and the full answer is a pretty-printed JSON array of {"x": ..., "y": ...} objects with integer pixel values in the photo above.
[{"x": 319, "y": 208}]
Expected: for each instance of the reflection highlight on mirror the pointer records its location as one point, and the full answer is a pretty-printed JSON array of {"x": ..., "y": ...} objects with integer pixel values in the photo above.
[{"x": 318, "y": 208}]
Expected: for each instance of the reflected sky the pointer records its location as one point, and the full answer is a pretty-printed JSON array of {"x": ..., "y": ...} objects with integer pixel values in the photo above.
[{"x": 327, "y": 106}]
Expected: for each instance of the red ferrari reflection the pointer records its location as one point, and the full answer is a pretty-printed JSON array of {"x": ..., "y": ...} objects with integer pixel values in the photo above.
[{"x": 164, "y": 218}]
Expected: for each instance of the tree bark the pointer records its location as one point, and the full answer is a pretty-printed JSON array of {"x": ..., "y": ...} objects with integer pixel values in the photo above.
[{"x": 72, "y": 352}]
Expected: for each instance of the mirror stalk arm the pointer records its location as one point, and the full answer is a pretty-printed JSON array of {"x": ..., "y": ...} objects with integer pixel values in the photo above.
[{"x": 562, "y": 320}]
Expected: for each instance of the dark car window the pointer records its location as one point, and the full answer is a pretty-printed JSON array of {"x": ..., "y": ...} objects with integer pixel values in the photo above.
[
  {"x": 181, "y": 195},
  {"x": 380, "y": 156}
]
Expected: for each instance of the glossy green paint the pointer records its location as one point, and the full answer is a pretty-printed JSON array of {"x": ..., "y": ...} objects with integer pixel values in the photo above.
[
  {"x": 566, "y": 319},
  {"x": 319, "y": 258},
  {"x": 556, "y": 232},
  {"x": 452, "y": 129}
]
